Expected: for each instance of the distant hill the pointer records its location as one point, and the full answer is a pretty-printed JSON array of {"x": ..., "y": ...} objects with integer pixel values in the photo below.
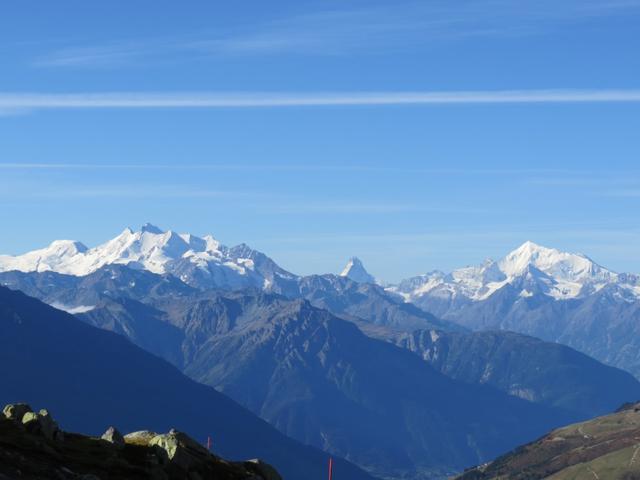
[{"x": 605, "y": 448}]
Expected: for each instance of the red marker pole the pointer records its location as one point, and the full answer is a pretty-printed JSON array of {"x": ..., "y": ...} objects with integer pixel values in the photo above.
[
  {"x": 209, "y": 443},
  {"x": 330, "y": 468}
]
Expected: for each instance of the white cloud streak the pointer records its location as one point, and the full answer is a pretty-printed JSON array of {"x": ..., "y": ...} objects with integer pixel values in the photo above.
[{"x": 21, "y": 102}]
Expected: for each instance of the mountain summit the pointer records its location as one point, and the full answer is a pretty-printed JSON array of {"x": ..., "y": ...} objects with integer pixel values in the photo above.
[
  {"x": 570, "y": 267},
  {"x": 355, "y": 271},
  {"x": 535, "y": 268}
]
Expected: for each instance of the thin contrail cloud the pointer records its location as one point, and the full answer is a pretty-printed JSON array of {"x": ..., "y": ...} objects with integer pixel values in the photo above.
[{"x": 17, "y": 102}]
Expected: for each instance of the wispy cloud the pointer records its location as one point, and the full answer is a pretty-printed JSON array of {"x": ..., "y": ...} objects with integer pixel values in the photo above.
[
  {"x": 37, "y": 101},
  {"x": 129, "y": 191},
  {"x": 337, "y": 32},
  {"x": 12, "y": 112},
  {"x": 293, "y": 206},
  {"x": 582, "y": 179},
  {"x": 624, "y": 193},
  {"x": 116, "y": 54}
]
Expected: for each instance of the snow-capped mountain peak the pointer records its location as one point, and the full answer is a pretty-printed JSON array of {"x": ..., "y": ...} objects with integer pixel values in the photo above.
[
  {"x": 149, "y": 248},
  {"x": 555, "y": 273},
  {"x": 560, "y": 265},
  {"x": 355, "y": 271}
]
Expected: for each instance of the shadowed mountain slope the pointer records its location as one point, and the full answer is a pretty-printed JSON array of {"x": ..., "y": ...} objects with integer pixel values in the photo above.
[
  {"x": 88, "y": 377},
  {"x": 526, "y": 367}
]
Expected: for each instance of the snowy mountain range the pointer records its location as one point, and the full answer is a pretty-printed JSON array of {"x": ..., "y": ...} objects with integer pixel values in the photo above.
[
  {"x": 204, "y": 261},
  {"x": 538, "y": 269},
  {"x": 193, "y": 259}
]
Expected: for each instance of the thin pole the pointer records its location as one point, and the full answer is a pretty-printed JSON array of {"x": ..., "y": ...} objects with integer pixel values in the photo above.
[
  {"x": 209, "y": 443},
  {"x": 330, "y": 468}
]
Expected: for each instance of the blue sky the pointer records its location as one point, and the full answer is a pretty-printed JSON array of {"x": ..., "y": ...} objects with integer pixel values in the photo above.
[{"x": 416, "y": 135}]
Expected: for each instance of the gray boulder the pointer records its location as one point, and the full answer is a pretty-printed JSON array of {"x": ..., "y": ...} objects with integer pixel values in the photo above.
[
  {"x": 180, "y": 449},
  {"x": 112, "y": 435}
]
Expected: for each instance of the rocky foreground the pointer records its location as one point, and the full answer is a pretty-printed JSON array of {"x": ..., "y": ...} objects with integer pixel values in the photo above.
[
  {"x": 605, "y": 448},
  {"x": 32, "y": 446}
]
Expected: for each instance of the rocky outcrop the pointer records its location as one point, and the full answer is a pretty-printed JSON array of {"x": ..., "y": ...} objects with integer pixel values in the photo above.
[
  {"x": 44, "y": 424},
  {"x": 33, "y": 446},
  {"x": 15, "y": 411},
  {"x": 40, "y": 423}
]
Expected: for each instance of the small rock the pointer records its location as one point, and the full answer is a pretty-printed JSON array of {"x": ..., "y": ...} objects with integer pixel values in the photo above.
[
  {"x": 15, "y": 411},
  {"x": 48, "y": 425},
  {"x": 112, "y": 435}
]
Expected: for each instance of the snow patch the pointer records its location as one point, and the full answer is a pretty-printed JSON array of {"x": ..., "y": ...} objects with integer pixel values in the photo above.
[{"x": 73, "y": 310}]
